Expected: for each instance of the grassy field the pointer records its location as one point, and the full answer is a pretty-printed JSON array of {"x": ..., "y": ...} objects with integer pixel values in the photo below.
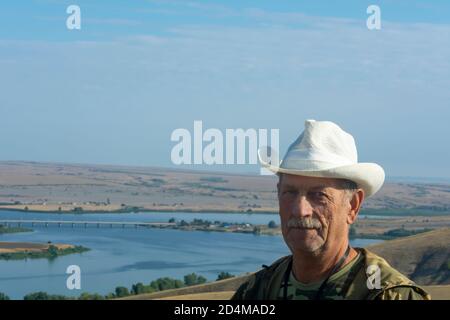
[{"x": 52, "y": 187}]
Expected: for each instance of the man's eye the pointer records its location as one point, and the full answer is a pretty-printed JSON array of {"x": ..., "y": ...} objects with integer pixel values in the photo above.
[
  {"x": 318, "y": 195},
  {"x": 290, "y": 192}
]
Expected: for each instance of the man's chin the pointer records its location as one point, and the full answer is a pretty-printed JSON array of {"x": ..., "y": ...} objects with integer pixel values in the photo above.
[
  {"x": 308, "y": 247},
  {"x": 305, "y": 240}
]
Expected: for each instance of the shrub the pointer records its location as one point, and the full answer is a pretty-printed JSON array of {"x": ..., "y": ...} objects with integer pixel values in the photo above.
[
  {"x": 224, "y": 275},
  {"x": 272, "y": 224},
  {"x": 3, "y": 296}
]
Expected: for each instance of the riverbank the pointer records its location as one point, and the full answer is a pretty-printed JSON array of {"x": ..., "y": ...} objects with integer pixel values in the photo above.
[
  {"x": 272, "y": 229},
  {"x": 6, "y": 230},
  {"x": 218, "y": 226},
  {"x": 88, "y": 209},
  {"x": 367, "y": 226},
  {"x": 115, "y": 208},
  {"x": 31, "y": 250}
]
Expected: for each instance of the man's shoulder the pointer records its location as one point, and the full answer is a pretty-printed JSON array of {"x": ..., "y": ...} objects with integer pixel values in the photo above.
[
  {"x": 393, "y": 285},
  {"x": 407, "y": 292},
  {"x": 256, "y": 286},
  {"x": 379, "y": 267}
]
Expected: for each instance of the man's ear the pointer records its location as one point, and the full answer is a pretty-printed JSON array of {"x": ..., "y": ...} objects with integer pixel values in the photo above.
[{"x": 355, "y": 205}]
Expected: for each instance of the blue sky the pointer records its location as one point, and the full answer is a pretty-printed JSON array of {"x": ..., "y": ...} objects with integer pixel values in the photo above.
[{"x": 114, "y": 91}]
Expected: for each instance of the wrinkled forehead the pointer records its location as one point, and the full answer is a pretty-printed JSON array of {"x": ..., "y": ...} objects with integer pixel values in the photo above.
[{"x": 304, "y": 182}]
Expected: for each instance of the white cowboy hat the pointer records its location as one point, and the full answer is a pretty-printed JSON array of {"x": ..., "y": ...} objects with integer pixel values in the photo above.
[{"x": 325, "y": 150}]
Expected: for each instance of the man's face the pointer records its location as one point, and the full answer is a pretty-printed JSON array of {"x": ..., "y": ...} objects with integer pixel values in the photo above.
[{"x": 314, "y": 212}]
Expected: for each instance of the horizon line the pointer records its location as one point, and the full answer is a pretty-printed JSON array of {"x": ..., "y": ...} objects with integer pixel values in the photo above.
[{"x": 389, "y": 178}]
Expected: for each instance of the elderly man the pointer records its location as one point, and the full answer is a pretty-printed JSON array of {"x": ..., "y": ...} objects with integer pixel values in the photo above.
[{"x": 321, "y": 189}]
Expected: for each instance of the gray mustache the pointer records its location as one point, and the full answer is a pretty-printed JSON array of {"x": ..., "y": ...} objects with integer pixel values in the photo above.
[{"x": 305, "y": 223}]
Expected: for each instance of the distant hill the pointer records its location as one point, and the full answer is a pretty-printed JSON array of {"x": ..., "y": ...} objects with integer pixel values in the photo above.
[
  {"x": 60, "y": 187},
  {"x": 424, "y": 258}
]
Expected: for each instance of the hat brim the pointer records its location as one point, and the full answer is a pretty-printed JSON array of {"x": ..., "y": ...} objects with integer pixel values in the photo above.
[{"x": 368, "y": 176}]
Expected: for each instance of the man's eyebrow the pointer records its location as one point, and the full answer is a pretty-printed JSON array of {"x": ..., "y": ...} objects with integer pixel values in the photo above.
[
  {"x": 318, "y": 187},
  {"x": 321, "y": 187}
]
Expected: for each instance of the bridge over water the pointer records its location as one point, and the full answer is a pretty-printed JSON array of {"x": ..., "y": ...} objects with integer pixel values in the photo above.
[{"x": 84, "y": 223}]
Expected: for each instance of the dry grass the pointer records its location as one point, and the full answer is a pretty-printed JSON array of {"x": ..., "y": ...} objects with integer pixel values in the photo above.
[
  {"x": 47, "y": 186},
  {"x": 222, "y": 295},
  {"x": 438, "y": 292},
  {"x": 14, "y": 247},
  {"x": 423, "y": 257},
  {"x": 206, "y": 290}
]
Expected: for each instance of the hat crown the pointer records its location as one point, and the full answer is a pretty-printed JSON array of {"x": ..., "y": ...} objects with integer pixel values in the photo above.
[
  {"x": 324, "y": 150},
  {"x": 322, "y": 144}
]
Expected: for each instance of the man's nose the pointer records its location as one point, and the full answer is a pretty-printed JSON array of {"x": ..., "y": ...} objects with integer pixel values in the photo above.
[{"x": 302, "y": 207}]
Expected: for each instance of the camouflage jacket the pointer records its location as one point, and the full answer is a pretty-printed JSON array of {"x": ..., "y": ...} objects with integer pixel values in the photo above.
[{"x": 393, "y": 285}]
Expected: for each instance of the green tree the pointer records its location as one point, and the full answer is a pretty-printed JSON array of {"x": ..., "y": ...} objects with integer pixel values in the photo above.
[
  {"x": 121, "y": 292},
  {"x": 183, "y": 223},
  {"x": 90, "y": 296},
  {"x": 190, "y": 279},
  {"x": 272, "y": 224},
  {"x": 59, "y": 297},
  {"x": 166, "y": 283},
  {"x": 224, "y": 275},
  {"x": 193, "y": 279},
  {"x": 40, "y": 295},
  {"x": 137, "y": 288},
  {"x": 110, "y": 296},
  {"x": 52, "y": 251},
  {"x": 3, "y": 296},
  {"x": 201, "y": 279}
]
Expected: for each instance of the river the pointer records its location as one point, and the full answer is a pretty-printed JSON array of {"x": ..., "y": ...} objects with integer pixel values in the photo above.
[{"x": 121, "y": 257}]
